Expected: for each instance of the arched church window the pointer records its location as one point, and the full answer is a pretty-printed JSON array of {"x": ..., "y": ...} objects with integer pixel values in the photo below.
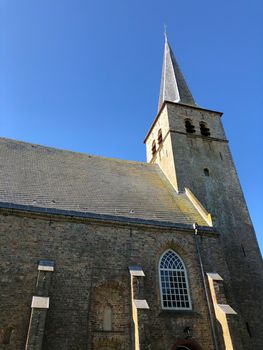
[
  {"x": 107, "y": 318},
  {"x": 153, "y": 147},
  {"x": 205, "y": 131},
  {"x": 173, "y": 282},
  {"x": 160, "y": 136},
  {"x": 189, "y": 127}
]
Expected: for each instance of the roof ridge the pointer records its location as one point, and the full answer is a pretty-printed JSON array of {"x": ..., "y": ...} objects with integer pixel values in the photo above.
[{"x": 74, "y": 152}]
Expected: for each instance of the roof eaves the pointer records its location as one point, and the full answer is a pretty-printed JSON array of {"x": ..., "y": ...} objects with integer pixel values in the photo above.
[{"x": 103, "y": 217}]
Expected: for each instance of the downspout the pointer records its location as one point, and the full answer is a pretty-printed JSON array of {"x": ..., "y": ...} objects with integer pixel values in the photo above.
[{"x": 211, "y": 318}]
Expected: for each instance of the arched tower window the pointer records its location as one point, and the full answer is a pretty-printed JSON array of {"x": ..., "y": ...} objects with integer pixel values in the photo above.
[
  {"x": 107, "y": 318},
  {"x": 173, "y": 282},
  {"x": 153, "y": 147},
  {"x": 206, "y": 172},
  {"x": 189, "y": 127},
  {"x": 160, "y": 136},
  {"x": 205, "y": 131}
]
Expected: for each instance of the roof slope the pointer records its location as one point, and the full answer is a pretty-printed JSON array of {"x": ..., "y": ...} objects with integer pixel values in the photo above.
[{"x": 50, "y": 178}]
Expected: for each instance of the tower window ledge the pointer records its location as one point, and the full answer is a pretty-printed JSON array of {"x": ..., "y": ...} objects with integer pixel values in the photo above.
[{"x": 205, "y": 138}]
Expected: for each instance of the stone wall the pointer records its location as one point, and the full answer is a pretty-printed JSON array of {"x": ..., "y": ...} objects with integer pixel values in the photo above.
[{"x": 91, "y": 274}]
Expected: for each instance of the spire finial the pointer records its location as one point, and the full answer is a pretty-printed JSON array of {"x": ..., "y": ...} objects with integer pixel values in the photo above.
[{"x": 165, "y": 32}]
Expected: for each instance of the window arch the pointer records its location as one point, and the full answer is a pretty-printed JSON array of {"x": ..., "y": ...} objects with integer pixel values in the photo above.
[
  {"x": 205, "y": 131},
  {"x": 206, "y": 172},
  {"x": 160, "y": 136},
  {"x": 173, "y": 282},
  {"x": 153, "y": 147},
  {"x": 189, "y": 127}
]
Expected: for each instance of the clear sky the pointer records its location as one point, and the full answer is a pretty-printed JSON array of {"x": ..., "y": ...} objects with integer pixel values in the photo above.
[{"x": 84, "y": 75}]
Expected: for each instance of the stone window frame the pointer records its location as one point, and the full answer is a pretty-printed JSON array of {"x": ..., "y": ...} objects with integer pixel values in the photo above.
[{"x": 178, "y": 274}]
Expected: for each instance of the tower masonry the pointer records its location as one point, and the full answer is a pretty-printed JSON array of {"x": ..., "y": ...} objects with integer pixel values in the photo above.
[{"x": 190, "y": 146}]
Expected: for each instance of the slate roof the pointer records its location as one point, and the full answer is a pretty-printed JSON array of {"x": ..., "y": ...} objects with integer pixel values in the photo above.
[
  {"x": 173, "y": 85},
  {"x": 45, "y": 177}
]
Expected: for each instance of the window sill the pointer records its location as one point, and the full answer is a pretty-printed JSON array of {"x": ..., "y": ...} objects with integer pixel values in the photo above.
[{"x": 171, "y": 313}]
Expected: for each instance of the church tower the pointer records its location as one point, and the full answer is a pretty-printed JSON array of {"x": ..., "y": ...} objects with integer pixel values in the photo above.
[{"x": 190, "y": 146}]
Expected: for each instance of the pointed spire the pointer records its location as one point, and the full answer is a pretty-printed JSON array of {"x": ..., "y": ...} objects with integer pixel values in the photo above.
[{"x": 173, "y": 85}]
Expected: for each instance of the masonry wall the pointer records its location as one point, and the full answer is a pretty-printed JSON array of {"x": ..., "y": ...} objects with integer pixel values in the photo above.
[
  {"x": 221, "y": 194},
  {"x": 91, "y": 273},
  {"x": 164, "y": 150}
]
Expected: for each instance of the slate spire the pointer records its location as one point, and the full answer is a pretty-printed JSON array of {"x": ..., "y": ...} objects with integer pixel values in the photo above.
[{"x": 173, "y": 85}]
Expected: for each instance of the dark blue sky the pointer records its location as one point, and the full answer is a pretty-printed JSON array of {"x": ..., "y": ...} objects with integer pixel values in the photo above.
[{"x": 85, "y": 75}]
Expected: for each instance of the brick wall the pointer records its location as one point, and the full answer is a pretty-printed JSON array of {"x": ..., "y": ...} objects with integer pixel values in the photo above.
[{"x": 91, "y": 272}]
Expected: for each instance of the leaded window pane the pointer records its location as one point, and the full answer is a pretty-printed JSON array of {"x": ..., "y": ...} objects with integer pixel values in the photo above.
[{"x": 173, "y": 282}]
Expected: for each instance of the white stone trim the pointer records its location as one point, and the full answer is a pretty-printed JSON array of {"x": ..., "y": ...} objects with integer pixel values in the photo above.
[
  {"x": 227, "y": 309},
  {"x": 136, "y": 271},
  {"x": 40, "y": 302},
  {"x": 214, "y": 276},
  {"x": 141, "y": 304},
  {"x": 45, "y": 268},
  {"x": 202, "y": 211}
]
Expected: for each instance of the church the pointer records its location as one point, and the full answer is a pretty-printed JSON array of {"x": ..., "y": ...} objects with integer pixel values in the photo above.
[{"x": 106, "y": 254}]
